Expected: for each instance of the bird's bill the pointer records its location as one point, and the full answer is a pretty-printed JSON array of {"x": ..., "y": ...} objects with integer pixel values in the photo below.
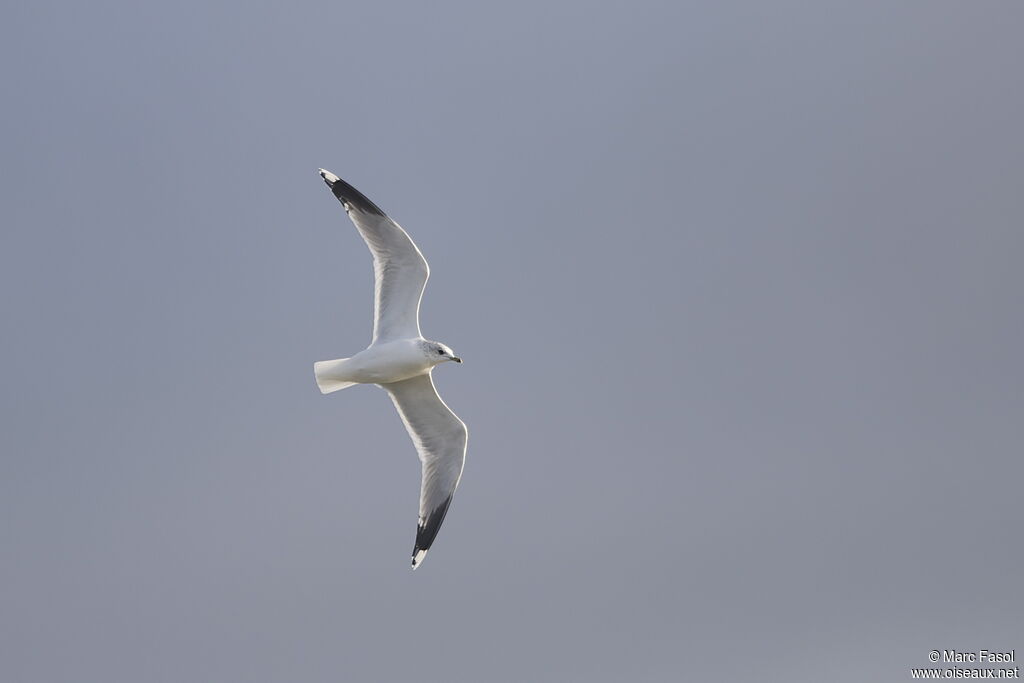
[{"x": 456, "y": 359}]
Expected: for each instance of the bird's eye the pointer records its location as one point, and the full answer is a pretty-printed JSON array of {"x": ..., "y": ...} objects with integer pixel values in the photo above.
[{"x": 441, "y": 351}]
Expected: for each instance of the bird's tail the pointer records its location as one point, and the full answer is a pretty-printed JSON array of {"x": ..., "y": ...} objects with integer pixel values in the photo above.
[{"x": 330, "y": 374}]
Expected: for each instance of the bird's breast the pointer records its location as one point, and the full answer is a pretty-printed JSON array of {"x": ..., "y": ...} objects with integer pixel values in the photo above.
[{"x": 391, "y": 362}]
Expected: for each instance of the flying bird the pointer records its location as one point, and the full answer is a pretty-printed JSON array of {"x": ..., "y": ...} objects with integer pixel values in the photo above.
[{"x": 400, "y": 360}]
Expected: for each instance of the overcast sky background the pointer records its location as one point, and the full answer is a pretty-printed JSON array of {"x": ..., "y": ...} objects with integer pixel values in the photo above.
[{"x": 738, "y": 287}]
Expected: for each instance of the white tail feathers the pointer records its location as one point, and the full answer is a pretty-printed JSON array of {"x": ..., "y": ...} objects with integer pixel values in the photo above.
[{"x": 329, "y": 375}]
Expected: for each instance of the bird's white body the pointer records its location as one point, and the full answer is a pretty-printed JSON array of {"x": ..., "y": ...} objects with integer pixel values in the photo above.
[
  {"x": 380, "y": 363},
  {"x": 400, "y": 360}
]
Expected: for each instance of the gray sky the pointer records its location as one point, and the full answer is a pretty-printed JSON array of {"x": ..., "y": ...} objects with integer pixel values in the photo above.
[{"x": 738, "y": 287}]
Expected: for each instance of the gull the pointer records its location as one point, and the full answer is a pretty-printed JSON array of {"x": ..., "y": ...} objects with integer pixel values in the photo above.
[{"x": 400, "y": 360}]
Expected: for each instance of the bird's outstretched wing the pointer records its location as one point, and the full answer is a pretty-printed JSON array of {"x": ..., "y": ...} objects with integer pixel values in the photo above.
[
  {"x": 399, "y": 269},
  {"x": 440, "y": 438}
]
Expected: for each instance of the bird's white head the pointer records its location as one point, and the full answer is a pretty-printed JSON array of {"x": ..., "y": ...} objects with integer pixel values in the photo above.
[{"x": 438, "y": 353}]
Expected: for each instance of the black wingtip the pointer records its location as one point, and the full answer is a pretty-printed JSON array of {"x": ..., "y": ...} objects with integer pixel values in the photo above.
[
  {"x": 426, "y": 532},
  {"x": 348, "y": 195}
]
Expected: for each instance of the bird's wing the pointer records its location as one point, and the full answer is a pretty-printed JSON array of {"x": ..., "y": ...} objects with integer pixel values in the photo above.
[
  {"x": 440, "y": 438},
  {"x": 399, "y": 269}
]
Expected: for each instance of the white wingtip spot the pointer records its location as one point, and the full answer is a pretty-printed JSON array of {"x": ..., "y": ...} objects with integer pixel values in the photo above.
[
  {"x": 418, "y": 558},
  {"x": 328, "y": 176}
]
